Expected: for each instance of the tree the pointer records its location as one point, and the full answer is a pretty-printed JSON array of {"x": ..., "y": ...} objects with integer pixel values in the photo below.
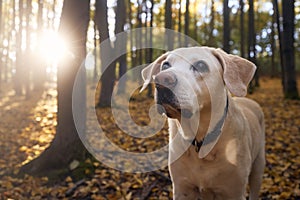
[
  {"x": 242, "y": 27},
  {"x": 39, "y": 73},
  {"x": 179, "y": 23},
  {"x": 19, "y": 79},
  {"x": 277, "y": 16},
  {"x": 211, "y": 39},
  {"x": 187, "y": 21},
  {"x": 252, "y": 43},
  {"x": 168, "y": 24},
  {"x": 289, "y": 82},
  {"x": 121, "y": 44},
  {"x": 67, "y": 146},
  {"x": 108, "y": 69},
  {"x": 226, "y": 27},
  {"x": 28, "y": 58}
]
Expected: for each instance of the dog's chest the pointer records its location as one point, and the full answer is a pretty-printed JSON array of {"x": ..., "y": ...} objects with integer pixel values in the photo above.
[{"x": 208, "y": 174}]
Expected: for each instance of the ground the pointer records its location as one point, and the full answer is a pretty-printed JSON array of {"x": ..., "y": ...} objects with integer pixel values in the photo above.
[{"x": 28, "y": 126}]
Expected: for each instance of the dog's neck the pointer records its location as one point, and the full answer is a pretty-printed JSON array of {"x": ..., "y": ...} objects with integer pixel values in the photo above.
[{"x": 208, "y": 128}]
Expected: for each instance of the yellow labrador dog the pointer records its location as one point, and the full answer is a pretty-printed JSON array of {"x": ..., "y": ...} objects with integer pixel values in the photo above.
[{"x": 221, "y": 138}]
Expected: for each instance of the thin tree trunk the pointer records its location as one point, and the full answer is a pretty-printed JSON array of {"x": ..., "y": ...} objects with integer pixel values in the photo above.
[
  {"x": 19, "y": 79},
  {"x": 195, "y": 21},
  {"x": 179, "y": 24},
  {"x": 187, "y": 21},
  {"x": 95, "y": 50},
  {"x": 251, "y": 45},
  {"x": 226, "y": 27},
  {"x": 28, "y": 50},
  {"x": 108, "y": 69},
  {"x": 139, "y": 37},
  {"x": 290, "y": 83},
  {"x": 121, "y": 15},
  {"x": 211, "y": 39},
  {"x": 273, "y": 46},
  {"x": 67, "y": 146},
  {"x": 39, "y": 73},
  {"x": 276, "y": 11},
  {"x": 149, "y": 94},
  {"x": 242, "y": 28},
  {"x": 168, "y": 25}
]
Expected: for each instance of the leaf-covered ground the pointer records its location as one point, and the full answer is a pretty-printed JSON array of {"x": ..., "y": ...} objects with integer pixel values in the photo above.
[{"x": 28, "y": 126}]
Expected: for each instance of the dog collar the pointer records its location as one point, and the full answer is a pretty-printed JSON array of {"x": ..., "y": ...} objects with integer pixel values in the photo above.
[{"x": 214, "y": 134}]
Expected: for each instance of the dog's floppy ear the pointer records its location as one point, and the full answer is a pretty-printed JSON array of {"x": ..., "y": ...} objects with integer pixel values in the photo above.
[
  {"x": 238, "y": 72},
  {"x": 151, "y": 70}
]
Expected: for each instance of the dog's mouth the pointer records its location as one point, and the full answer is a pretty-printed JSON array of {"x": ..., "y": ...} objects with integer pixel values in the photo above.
[{"x": 170, "y": 104}]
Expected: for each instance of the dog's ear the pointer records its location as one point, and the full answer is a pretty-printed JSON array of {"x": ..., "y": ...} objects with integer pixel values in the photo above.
[
  {"x": 151, "y": 70},
  {"x": 238, "y": 72}
]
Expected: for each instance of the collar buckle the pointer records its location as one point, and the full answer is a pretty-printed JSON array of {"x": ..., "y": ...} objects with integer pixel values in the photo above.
[
  {"x": 197, "y": 144},
  {"x": 214, "y": 134}
]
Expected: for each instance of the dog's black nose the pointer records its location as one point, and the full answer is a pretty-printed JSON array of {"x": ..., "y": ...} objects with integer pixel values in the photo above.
[{"x": 166, "y": 79}]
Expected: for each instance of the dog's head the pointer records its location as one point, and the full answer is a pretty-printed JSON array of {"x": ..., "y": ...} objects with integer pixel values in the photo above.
[{"x": 186, "y": 79}]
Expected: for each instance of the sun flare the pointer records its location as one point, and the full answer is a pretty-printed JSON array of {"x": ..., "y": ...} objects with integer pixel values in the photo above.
[{"x": 53, "y": 47}]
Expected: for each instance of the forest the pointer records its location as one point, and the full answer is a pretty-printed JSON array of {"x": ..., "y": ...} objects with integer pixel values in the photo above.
[{"x": 73, "y": 122}]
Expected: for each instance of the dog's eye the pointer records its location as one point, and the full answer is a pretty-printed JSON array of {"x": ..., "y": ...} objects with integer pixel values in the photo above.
[
  {"x": 165, "y": 65},
  {"x": 200, "y": 66}
]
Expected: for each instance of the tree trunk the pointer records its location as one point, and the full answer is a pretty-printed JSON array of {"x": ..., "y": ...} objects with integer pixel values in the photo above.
[
  {"x": 132, "y": 53},
  {"x": 149, "y": 59},
  {"x": 226, "y": 27},
  {"x": 67, "y": 146},
  {"x": 195, "y": 21},
  {"x": 211, "y": 39},
  {"x": 28, "y": 59},
  {"x": 273, "y": 47},
  {"x": 187, "y": 21},
  {"x": 251, "y": 45},
  {"x": 39, "y": 72},
  {"x": 290, "y": 83},
  {"x": 242, "y": 28},
  {"x": 108, "y": 69},
  {"x": 121, "y": 43},
  {"x": 168, "y": 25},
  {"x": 179, "y": 24},
  {"x": 19, "y": 78},
  {"x": 276, "y": 12}
]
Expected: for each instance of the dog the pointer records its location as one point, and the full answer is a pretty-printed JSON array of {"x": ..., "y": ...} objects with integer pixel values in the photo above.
[{"x": 221, "y": 145}]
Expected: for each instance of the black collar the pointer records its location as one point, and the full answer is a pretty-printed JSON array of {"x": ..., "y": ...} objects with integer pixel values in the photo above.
[{"x": 214, "y": 134}]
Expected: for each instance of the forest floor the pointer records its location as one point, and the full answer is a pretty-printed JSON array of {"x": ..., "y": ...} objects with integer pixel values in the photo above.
[{"x": 28, "y": 126}]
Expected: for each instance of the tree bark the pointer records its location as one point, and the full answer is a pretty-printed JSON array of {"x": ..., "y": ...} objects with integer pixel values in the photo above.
[
  {"x": 108, "y": 69},
  {"x": 179, "y": 24},
  {"x": 242, "y": 28},
  {"x": 18, "y": 78},
  {"x": 67, "y": 146},
  {"x": 28, "y": 59},
  {"x": 290, "y": 83},
  {"x": 276, "y": 12},
  {"x": 168, "y": 25},
  {"x": 211, "y": 39},
  {"x": 187, "y": 21},
  {"x": 273, "y": 46},
  {"x": 251, "y": 45},
  {"x": 226, "y": 27},
  {"x": 121, "y": 43},
  {"x": 150, "y": 50}
]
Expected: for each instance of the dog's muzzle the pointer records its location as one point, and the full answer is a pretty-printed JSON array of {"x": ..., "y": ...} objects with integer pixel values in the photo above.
[{"x": 165, "y": 83}]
